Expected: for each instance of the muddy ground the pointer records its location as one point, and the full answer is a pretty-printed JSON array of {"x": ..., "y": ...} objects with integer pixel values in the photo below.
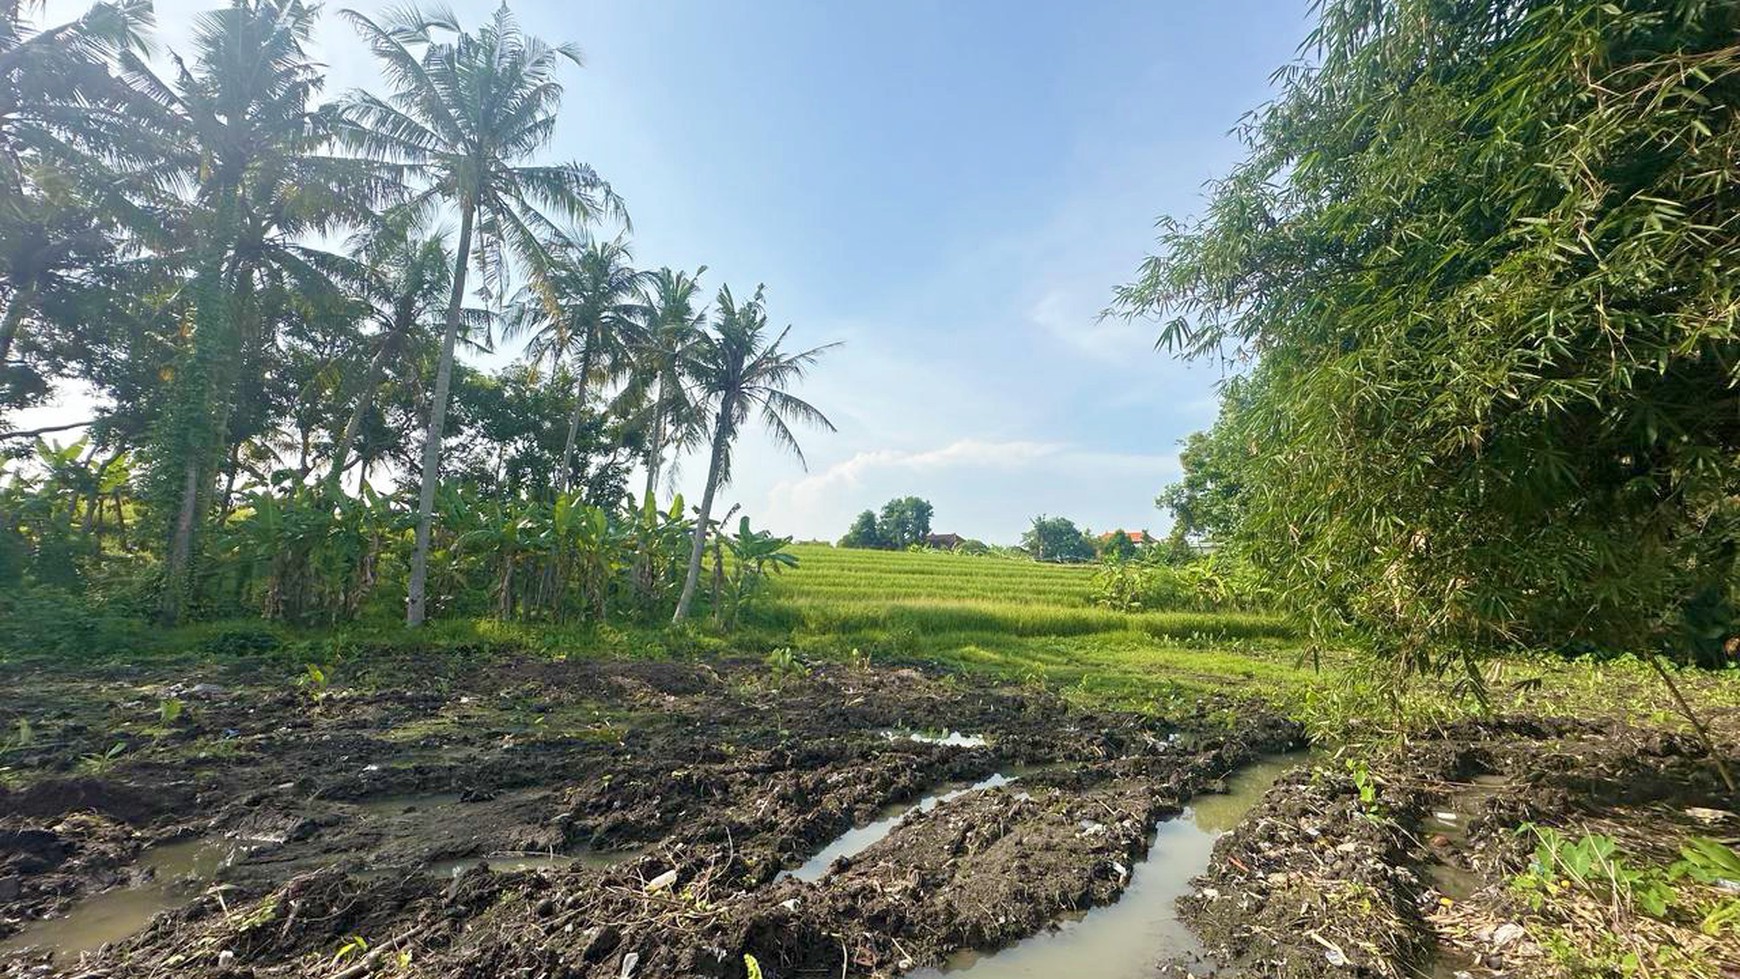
[
  {"x": 1408, "y": 864},
  {"x": 667, "y": 801},
  {"x": 687, "y": 788}
]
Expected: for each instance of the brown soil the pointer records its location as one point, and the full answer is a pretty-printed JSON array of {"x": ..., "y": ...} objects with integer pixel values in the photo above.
[
  {"x": 1415, "y": 877},
  {"x": 707, "y": 777}
]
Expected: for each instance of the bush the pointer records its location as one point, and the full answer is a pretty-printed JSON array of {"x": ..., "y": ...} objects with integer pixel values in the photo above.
[
  {"x": 46, "y": 621},
  {"x": 1208, "y": 585}
]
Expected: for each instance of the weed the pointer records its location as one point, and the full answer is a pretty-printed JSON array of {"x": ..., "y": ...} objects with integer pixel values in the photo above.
[
  {"x": 99, "y": 764},
  {"x": 355, "y": 945},
  {"x": 314, "y": 680},
  {"x": 1590, "y": 864}
]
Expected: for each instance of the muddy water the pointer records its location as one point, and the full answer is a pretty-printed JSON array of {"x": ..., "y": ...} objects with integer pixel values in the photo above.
[
  {"x": 170, "y": 874},
  {"x": 858, "y": 838},
  {"x": 1126, "y": 940},
  {"x": 946, "y": 738},
  {"x": 530, "y": 861}
]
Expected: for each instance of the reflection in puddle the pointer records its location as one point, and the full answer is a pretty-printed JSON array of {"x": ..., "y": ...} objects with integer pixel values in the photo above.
[
  {"x": 858, "y": 838},
  {"x": 1128, "y": 939},
  {"x": 175, "y": 870},
  {"x": 948, "y": 739}
]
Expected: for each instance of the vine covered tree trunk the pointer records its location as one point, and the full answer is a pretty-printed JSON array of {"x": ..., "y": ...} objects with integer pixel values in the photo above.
[
  {"x": 194, "y": 432},
  {"x": 415, "y": 604}
]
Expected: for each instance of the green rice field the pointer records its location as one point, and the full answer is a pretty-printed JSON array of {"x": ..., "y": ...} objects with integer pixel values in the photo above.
[{"x": 1022, "y": 619}]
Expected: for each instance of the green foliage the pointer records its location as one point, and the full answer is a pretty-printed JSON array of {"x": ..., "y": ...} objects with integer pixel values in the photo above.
[
  {"x": 1479, "y": 251},
  {"x": 1117, "y": 547},
  {"x": 1206, "y": 503},
  {"x": 1209, "y": 584},
  {"x": 904, "y": 522},
  {"x": 100, "y": 764},
  {"x": 1591, "y": 864},
  {"x": 864, "y": 532},
  {"x": 1056, "y": 539}
]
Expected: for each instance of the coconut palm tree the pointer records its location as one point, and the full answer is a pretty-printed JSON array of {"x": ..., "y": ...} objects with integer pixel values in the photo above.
[
  {"x": 57, "y": 97},
  {"x": 659, "y": 384},
  {"x": 740, "y": 371},
  {"x": 585, "y": 308},
  {"x": 59, "y": 118},
  {"x": 467, "y": 110},
  {"x": 241, "y": 137},
  {"x": 410, "y": 276}
]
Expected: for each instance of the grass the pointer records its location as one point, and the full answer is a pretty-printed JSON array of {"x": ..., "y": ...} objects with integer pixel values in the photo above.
[{"x": 1022, "y": 621}]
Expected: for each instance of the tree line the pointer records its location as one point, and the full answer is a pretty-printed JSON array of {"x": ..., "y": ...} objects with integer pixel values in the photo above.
[
  {"x": 269, "y": 293},
  {"x": 1478, "y": 265}
]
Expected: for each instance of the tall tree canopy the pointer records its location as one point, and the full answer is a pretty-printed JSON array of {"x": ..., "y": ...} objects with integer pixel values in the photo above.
[{"x": 1482, "y": 254}]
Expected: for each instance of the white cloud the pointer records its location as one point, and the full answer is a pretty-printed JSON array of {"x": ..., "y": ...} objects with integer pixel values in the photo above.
[{"x": 1079, "y": 326}]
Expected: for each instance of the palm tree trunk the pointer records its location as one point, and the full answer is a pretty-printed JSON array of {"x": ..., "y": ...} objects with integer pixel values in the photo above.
[
  {"x": 655, "y": 449},
  {"x": 564, "y": 479},
  {"x": 415, "y": 607},
  {"x": 721, "y": 439},
  {"x": 10, "y": 322},
  {"x": 365, "y": 400},
  {"x": 215, "y": 361}
]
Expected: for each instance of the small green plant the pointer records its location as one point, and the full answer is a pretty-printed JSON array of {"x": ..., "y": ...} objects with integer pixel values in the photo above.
[
  {"x": 355, "y": 945},
  {"x": 99, "y": 764},
  {"x": 1366, "y": 786},
  {"x": 314, "y": 680},
  {"x": 783, "y": 664},
  {"x": 752, "y": 966},
  {"x": 169, "y": 711},
  {"x": 1590, "y": 864},
  {"x": 23, "y": 735}
]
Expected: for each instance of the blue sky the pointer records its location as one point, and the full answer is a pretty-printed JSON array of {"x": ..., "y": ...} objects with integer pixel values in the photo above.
[{"x": 952, "y": 189}]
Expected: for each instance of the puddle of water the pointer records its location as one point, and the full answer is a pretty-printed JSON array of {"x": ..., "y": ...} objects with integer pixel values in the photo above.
[
  {"x": 857, "y": 839},
  {"x": 117, "y": 913},
  {"x": 531, "y": 861},
  {"x": 946, "y": 738},
  {"x": 1129, "y": 938}
]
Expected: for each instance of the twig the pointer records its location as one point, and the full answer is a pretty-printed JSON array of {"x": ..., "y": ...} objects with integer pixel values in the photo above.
[
  {"x": 25, "y": 433},
  {"x": 1697, "y": 723}
]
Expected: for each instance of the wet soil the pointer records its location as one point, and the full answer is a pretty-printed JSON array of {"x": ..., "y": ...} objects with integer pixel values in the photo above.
[
  {"x": 1402, "y": 865},
  {"x": 630, "y": 818}
]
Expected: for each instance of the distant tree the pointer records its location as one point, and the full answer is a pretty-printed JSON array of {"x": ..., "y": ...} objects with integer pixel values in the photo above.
[
  {"x": 905, "y": 521},
  {"x": 1207, "y": 503},
  {"x": 1118, "y": 547},
  {"x": 864, "y": 532},
  {"x": 1056, "y": 539}
]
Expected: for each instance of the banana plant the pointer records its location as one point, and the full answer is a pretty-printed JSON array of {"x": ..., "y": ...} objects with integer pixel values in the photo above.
[{"x": 754, "y": 554}]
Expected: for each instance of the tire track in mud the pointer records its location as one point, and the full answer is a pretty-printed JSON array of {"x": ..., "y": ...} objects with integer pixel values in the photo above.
[{"x": 721, "y": 782}]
